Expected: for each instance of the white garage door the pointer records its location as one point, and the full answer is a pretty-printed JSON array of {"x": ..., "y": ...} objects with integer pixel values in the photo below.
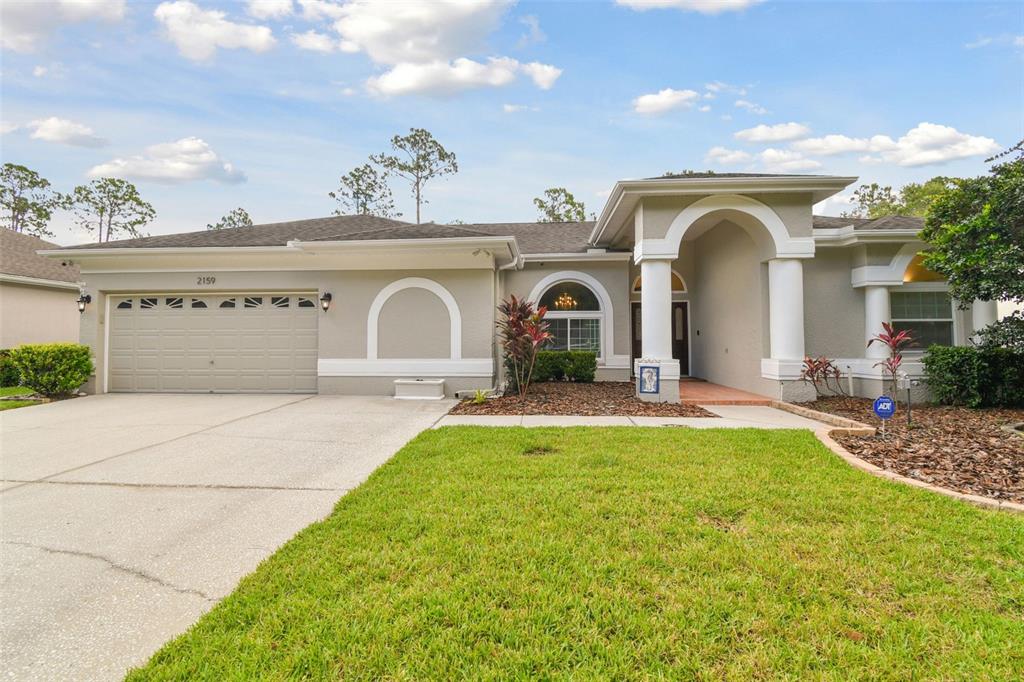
[{"x": 233, "y": 343}]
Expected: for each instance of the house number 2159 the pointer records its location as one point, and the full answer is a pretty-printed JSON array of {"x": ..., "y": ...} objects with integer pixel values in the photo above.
[{"x": 206, "y": 279}]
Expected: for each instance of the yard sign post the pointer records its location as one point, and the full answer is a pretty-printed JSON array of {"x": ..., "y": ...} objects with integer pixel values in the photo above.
[{"x": 885, "y": 408}]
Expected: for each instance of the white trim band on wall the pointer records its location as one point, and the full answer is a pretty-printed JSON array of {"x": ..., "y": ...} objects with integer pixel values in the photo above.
[
  {"x": 454, "y": 316},
  {"x": 591, "y": 282},
  {"x": 427, "y": 367}
]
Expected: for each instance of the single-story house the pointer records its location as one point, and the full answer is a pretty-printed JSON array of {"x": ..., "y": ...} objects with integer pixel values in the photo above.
[
  {"x": 37, "y": 294},
  {"x": 726, "y": 277}
]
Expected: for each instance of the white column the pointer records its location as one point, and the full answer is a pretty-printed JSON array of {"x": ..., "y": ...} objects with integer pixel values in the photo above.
[
  {"x": 786, "y": 308},
  {"x": 983, "y": 313},
  {"x": 656, "y": 308},
  {"x": 876, "y": 311}
]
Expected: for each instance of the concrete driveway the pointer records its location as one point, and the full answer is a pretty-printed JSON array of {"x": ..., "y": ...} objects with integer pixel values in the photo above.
[{"x": 126, "y": 517}]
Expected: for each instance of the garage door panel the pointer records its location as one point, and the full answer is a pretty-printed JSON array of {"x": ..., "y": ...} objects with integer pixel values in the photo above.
[{"x": 265, "y": 343}]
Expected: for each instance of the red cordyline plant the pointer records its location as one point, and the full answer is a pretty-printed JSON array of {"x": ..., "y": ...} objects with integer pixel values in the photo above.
[
  {"x": 523, "y": 332},
  {"x": 897, "y": 341},
  {"x": 819, "y": 372}
]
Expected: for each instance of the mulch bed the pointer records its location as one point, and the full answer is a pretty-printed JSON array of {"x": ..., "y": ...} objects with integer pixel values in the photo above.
[
  {"x": 599, "y": 399},
  {"x": 951, "y": 447}
]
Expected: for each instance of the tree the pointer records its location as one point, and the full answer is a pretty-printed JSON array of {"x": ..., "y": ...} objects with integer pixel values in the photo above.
[
  {"x": 27, "y": 200},
  {"x": 364, "y": 191},
  {"x": 110, "y": 205},
  {"x": 913, "y": 199},
  {"x": 559, "y": 206},
  {"x": 236, "y": 218},
  {"x": 975, "y": 231},
  {"x": 422, "y": 158}
]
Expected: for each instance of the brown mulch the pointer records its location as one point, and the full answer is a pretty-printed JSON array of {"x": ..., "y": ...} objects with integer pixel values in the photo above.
[
  {"x": 601, "y": 399},
  {"x": 951, "y": 447}
]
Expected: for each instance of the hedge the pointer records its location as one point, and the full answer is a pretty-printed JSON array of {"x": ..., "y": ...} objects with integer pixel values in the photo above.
[
  {"x": 975, "y": 376},
  {"x": 54, "y": 370},
  {"x": 9, "y": 374},
  {"x": 558, "y": 365}
]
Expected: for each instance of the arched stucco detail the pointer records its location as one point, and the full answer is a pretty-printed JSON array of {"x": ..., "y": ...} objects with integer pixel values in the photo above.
[
  {"x": 890, "y": 275},
  {"x": 675, "y": 273},
  {"x": 781, "y": 243},
  {"x": 589, "y": 281},
  {"x": 454, "y": 316},
  {"x": 901, "y": 261}
]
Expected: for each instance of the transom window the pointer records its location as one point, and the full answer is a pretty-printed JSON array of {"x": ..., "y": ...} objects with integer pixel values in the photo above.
[
  {"x": 927, "y": 315},
  {"x": 678, "y": 287},
  {"x": 574, "y": 317}
]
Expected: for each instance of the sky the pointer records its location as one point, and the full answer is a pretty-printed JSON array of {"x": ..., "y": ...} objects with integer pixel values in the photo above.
[{"x": 208, "y": 106}]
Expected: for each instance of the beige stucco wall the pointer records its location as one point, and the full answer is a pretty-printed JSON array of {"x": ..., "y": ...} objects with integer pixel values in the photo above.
[
  {"x": 794, "y": 209},
  {"x": 35, "y": 314},
  {"x": 727, "y": 307},
  {"x": 413, "y": 323},
  {"x": 833, "y": 308},
  {"x": 613, "y": 276}
]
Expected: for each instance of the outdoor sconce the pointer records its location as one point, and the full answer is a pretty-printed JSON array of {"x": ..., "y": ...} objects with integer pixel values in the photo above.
[
  {"x": 83, "y": 300},
  {"x": 325, "y": 300}
]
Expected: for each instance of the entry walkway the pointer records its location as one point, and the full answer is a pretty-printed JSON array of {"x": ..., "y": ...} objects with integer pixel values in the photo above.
[
  {"x": 697, "y": 392},
  {"x": 729, "y": 417}
]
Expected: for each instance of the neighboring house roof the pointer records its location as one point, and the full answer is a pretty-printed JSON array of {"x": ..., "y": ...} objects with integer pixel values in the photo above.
[
  {"x": 18, "y": 258},
  {"x": 891, "y": 222},
  {"x": 712, "y": 174}
]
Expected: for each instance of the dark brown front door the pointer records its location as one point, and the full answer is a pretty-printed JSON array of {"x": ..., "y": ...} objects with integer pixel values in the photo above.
[{"x": 680, "y": 334}]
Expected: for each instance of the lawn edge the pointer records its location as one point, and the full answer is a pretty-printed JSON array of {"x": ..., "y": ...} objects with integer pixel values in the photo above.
[{"x": 825, "y": 436}]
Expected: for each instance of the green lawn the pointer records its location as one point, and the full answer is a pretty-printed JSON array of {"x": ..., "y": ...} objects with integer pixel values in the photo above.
[
  {"x": 14, "y": 390},
  {"x": 624, "y": 553}
]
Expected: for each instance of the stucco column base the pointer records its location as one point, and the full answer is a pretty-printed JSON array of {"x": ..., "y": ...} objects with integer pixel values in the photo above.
[{"x": 668, "y": 385}]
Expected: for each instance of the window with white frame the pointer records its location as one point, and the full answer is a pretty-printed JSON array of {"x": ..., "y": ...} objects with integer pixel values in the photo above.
[
  {"x": 574, "y": 317},
  {"x": 927, "y": 315}
]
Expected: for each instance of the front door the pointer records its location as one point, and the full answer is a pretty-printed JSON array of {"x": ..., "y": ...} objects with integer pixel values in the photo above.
[{"x": 680, "y": 334}]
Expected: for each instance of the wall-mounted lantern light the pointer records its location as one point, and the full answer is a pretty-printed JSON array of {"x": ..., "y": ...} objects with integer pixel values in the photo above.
[
  {"x": 84, "y": 299},
  {"x": 325, "y": 300}
]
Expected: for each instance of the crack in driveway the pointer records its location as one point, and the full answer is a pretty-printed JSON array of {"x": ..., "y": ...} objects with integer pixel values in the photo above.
[{"x": 142, "y": 575}]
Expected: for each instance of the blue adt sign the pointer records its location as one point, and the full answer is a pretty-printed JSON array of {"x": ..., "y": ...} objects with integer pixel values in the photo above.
[{"x": 884, "y": 407}]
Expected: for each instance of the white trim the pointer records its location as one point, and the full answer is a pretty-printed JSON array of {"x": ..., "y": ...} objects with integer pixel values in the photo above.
[
  {"x": 890, "y": 275},
  {"x": 106, "y": 343},
  {"x": 39, "y": 282},
  {"x": 454, "y": 316},
  {"x": 590, "y": 256},
  {"x": 636, "y": 280},
  {"x": 859, "y": 368},
  {"x": 591, "y": 282},
  {"x": 427, "y": 367},
  {"x": 848, "y": 236}
]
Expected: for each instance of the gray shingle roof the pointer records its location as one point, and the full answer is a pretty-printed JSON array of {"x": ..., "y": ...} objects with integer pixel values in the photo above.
[
  {"x": 543, "y": 237},
  {"x": 18, "y": 257},
  {"x": 411, "y": 231},
  {"x": 893, "y": 222},
  {"x": 271, "y": 234},
  {"x": 712, "y": 174}
]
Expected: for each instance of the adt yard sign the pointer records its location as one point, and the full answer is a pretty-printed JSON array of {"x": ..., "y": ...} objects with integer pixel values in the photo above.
[{"x": 884, "y": 407}]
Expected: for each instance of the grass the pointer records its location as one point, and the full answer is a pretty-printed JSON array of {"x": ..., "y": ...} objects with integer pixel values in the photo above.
[
  {"x": 13, "y": 404},
  {"x": 624, "y": 553},
  {"x": 14, "y": 390}
]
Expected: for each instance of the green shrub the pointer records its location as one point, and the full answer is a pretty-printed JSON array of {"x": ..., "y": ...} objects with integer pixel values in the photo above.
[
  {"x": 558, "y": 365},
  {"x": 9, "y": 375},
  {"x": 581, "y": 365},
  {"x": 975, "y": 377},
  {"x": 54, "y": 370}
]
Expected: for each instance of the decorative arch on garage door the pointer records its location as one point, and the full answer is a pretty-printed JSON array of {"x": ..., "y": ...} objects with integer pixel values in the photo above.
[{"x": 454, "y": 316}]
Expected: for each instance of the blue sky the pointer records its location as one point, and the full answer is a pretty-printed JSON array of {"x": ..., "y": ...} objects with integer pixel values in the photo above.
[{"x": 210, "y": 105}]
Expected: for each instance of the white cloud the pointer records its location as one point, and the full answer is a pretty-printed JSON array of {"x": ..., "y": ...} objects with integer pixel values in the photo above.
[
  {"x": 665, "y": 100},
  {"x": 726, "y": 157},
  {"x": 925, "y": 144},
  {"x": 543, "y": 75},
  {"x": 780, "y": 132},
  {"x": 835, "y": 204},
  {"x": 317, "y": 42},
  {"x": 185, "y": 160},
  {"x": 39, "y": 71},
  {"x": 63, "y": 131},
  {"x": 8, "y": 127},
  {"x": 198, "y": 33},
  {"x": 704, "y": 108},
  {"x": 27, "y": 23},
  {"x": 786, "y": 161},
  {"x": 516, "y": 108},
  {"x": 439, "y": 78},
  {"x": 269, "y": 9},
  {"x": 416, "y": 32},
  {"x": 533, "y": 32},
  {"x": 1004, "y": 40},
  {"x": 980, "y": 42},
  {"x": 702, "y": 6},
  {"x": 752, "y": 107},
  {"x": 315, "y": 10},
  {"x": 1018, "y": 41}
]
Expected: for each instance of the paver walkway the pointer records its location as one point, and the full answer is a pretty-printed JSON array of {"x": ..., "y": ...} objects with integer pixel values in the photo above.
[
  {"x": 696, "y": 392},
  {"x": 729, "y": 417}
]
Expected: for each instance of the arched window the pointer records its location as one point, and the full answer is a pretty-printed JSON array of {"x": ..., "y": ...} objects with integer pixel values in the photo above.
[
  {"x": 574, "y": 317},
  {"x": 678, "y": 287}
]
